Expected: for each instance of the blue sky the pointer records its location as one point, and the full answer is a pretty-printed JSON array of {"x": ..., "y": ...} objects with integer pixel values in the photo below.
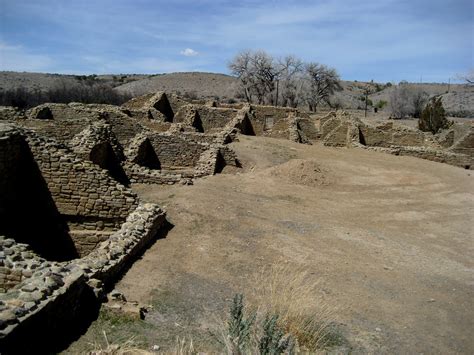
[{"x": 363, "y": 39}]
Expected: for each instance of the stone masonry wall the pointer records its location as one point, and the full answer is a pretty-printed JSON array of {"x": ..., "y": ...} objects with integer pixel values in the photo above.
[
  {"x": 178, "y": 150},
  {"x": 70, "y": 198},
  {"x": 79, "y": 188},
  {"x": 52, "y": 298}
]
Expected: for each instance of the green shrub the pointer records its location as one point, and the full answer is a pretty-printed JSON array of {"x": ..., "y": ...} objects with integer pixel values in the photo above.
[
  {"x": 381, "y": 104},
  {"x": 273, "y": 340},
  {"x": 239, "y": 326},
  {"x": 433, "y": 118}
]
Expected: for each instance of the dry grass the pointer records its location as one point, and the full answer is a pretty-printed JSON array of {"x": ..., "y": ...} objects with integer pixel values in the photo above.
[
  {"x": 126, "y": 348},
  {"x": 181, "y": 347},
  {"x": 293, "y": 293},
  {"x": 184, "y": 347},
  {"x": 288, "y": 291}
]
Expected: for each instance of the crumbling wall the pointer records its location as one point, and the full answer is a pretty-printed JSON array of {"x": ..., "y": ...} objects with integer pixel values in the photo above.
[
  {"x": 464, "y": 144},
  {"x": 140, "y": 151},
  {"x": 25, "y": 196},
  {"x": 271, "y": 120},
  {"x": 178, "y": 150},
  {"x": 213, "y": 119},
  {"x": 157, "y": 101},
  {"x": 56, "y": 301},
  {"x": 71, "y": 204},
  {"x": 188, "y": 115},
  {"x": 11, "y": 113},
  {"x": 308, "y": 127},
  {"x": 98, "y": 144},
  {"x": 68, "y": 120},
  {"x": 340, "y": 129}
]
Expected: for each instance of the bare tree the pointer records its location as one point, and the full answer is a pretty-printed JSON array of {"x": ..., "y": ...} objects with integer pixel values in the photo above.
[
  {"x": 241, "y": 67},
  {"x": 419, "y": 98},
  {"x": 407, "y": 101},
  {"x": 468, "y": 77},
  {"x": 266, "y": 80},
  {"x": 256, "y": 72},
  {"x": 264, "y": 74},
  {"x": 322, "y": 82},
  {"x": 289, "y": 80}
]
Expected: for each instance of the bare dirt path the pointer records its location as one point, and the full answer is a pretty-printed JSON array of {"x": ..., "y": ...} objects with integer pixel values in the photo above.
[{"x": 390, "y": 238}]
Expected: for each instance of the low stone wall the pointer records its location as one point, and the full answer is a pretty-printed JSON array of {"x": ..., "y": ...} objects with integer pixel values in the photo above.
[
  {"x": 42, "y": 306},
  {"x": 340, "y": 129},
  {"x": 11, "y": 113},
  {"x": 143, "y": 175}
]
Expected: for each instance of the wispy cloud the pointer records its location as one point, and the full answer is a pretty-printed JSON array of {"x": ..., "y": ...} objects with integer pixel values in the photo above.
[
  {"x": 363, "y": 39},
  {"x": 189, "y": 52}
]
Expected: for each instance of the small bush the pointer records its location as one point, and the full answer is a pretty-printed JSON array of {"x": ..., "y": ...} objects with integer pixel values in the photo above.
[
  {"x": 433, "y": 118},
  {"x": 381, "y": 104},
  {"x": 273, "y": 340},
  {"x": 239, "y": 326}
]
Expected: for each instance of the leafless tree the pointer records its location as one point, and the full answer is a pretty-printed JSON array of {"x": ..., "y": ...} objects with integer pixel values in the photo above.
[
  {"x": 256, "y": 71},
  {"x": 407, "y": 101},
  {"x": 266, "y": 80},
  {"x": 467, "y": 77},
  {"x": 264, "y": 74},
  {"x": 419, "y": 98},
  {"x": 241, "y": 67},
  {"x": 289, "y": 80},
  {"x": 322, "y": 82}
]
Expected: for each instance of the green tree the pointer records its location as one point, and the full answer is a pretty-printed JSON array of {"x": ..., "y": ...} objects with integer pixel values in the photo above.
[{"x": 433, "y": 118}]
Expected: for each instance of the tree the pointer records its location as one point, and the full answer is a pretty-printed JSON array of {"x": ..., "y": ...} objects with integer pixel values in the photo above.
[
  {"x": 288, "y": 80},
  {"x": 419, "y": 98},
  {"x": 264, "y": 73},
  {"x": 407, "y": 100},
  {"x": 468, "y": 77},
  {"x": 433, "y": 118},
  {"x": 241, "y": 67},
  {"x": 322, "y": 83},
  {"x": 256, "y": 72}
]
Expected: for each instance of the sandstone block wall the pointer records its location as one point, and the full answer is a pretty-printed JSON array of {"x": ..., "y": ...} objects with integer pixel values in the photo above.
[
  {"x": 340, "y": 129},
  {"x": 215, "y": 118},
  {"x": 44, "y": 182},
  {"x": 79, "y": 188},
  {"x": 56, "y": 297},
  {"x": 178, "y": 150}
]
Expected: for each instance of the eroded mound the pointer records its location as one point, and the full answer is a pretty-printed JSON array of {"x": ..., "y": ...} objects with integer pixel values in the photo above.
[{"x": 304, "y": 172}]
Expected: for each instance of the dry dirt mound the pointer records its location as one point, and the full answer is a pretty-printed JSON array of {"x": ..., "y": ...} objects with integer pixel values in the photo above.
[{"x": 301, "y": 172}]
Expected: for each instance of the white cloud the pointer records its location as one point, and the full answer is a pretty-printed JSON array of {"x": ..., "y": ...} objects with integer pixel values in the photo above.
[{"x": 188, "y": 52}]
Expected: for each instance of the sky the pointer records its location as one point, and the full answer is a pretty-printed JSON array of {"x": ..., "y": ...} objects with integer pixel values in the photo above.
[{"x": 380, "y": 40}]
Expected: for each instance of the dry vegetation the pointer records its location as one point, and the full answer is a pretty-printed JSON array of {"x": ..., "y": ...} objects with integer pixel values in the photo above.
[{"x": 458, "y": 99}]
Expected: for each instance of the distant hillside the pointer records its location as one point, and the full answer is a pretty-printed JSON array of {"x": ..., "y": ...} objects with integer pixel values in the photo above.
[
  {"x": 43, "y": 81},
  {"x": 459, "y": 101},
  {"x": 200, "y": 84}
]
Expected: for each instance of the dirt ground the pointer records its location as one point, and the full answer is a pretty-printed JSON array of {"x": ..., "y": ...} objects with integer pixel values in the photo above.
[{"x": 389, "y": 238}]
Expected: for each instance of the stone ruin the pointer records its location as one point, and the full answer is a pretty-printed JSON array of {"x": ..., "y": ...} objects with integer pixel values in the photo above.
[
  {"x": 454, "y": 146},
  {"x": 70, "y": 224},
  {"x": 68, "y": 229}
]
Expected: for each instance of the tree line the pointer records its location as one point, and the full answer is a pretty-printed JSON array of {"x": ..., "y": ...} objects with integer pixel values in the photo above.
[
  {"x": 286, "y": 81},
  {"x": 97, "y": 93}
]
